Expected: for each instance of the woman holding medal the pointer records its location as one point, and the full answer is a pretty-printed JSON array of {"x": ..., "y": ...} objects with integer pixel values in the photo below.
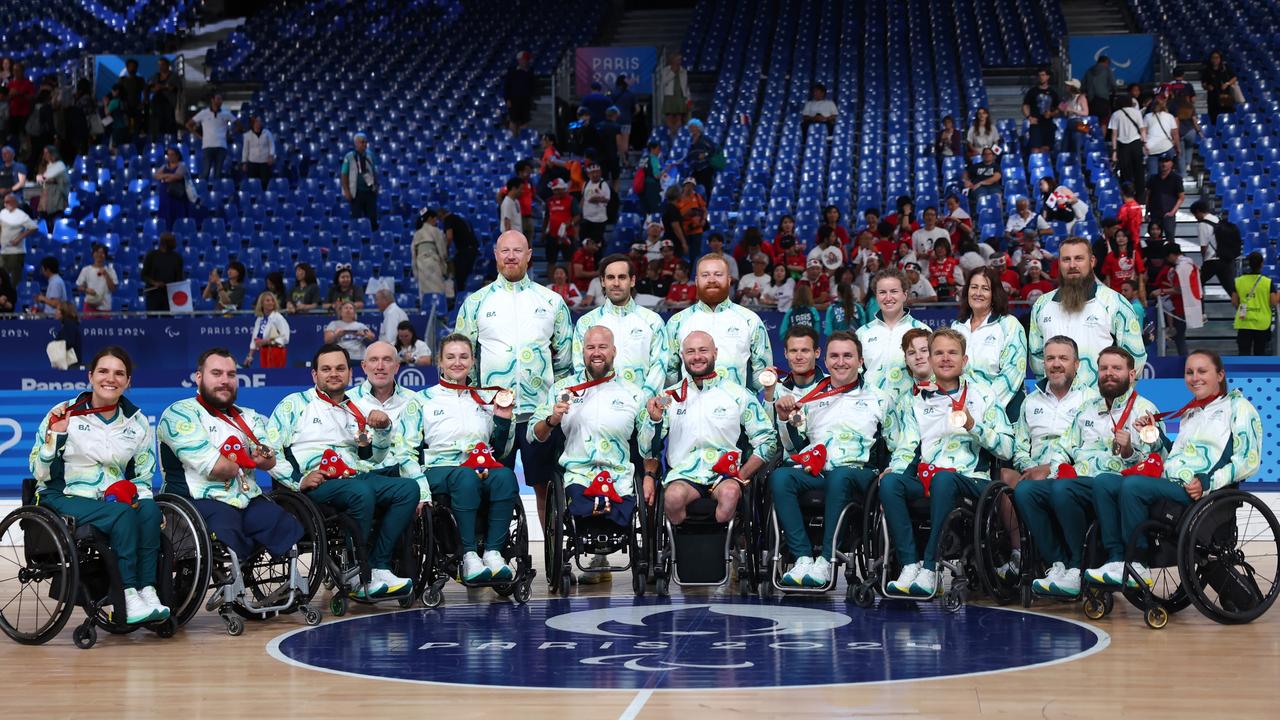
[
  {"x": 461, "y": 430},
  {"x": 93, "y": 461},
  {"x": 270, "y": 333},
  {"x": 1203, "y": 458}
]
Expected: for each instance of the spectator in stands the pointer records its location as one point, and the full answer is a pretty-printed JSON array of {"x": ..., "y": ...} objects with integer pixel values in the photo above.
[
  {"x": 653, "y": 284},
  {"x": 982, "y": 179},
  {"x": 6, "y": 69},
  {"x": 950, "y": 142},
  {"x": 1099, "y": 81},
  {"x": 259, "y": 152},
  {"x": 270, "y": 334},
  {"x": 700, "y": 159},
  {"x": 1254, "y": 298},
  {"x": 596, "y": 102},
  {"x": 670, "y": 261},
  {"x": 650, "y": 183},
  {"x": 1076, "y": 111},
  {"x": 359, "y": 178},
  {"x": 509, "y": 217},
  {"x": 673, "y": 92},
  {"x": 673, "y": 221},
  {"x": 55, "y": 289},
  {"x": 845, "y": 314},
  {"x": 305, "y": 295},
  {"x": 864, "y": 247},
  {"x": 56, "y": 184},
  {"x": 274, "y": 284},
  {"x": 462, "y": 239},
  {"x": 653, "y": 240},
  {"x": 827, "y": 254},
  {"x": 944, "y": 270},
  {"x": 582, "y": 134},
  {"x": 1178, "y": 269},
  {"x": 969, "y": 256},
  {"x": 1212, "y": 264},
  {"x": 607, "y": 132},
  {"x": 160, "y": 267},
  {"x": 97, "y": 281},
  {"x": 133, "y": 86},
  {"x": 693, "y": 217},
  {"x": 819, "y": 283},
  {"x": 1123, "y": 262},
  {"x": 212, "y": 125},
  {"x": 84, "y": 126},
  {"x": 430, "y": 251},
  {"x": 801, "y": 312},
  {"x": 229, "y": 293},
  {"x": 175, "y": 201},
  {"x": 1153, "y": 249},
  {"x": 348, "y": 332},
  {"x": 517, "y": 91},
  {"x": 1024, "y": 222},
  {"x": 1129, "y": 216},
  {"x": 524, "y": 171},
  {"x": 1009, "y": 278},
  {"x": 715, "y": 246},
  {"x": 1180, "y": 97},
  {"x": 1162, "y": 135},
  {"x": 793, "y": 256},
  {"x": 957, "y": 221},
  {"x": 982, "y": 134},
  {"x": 113, "y": 106},
  {"x": 164, "y": 91},
  {"x": 1165, "y": 196},
  {"x": 69, "y": 330},
  {"x": 1029, "y": 249},
  {"x": 22, "y": 93},
  {"x": 595, "y": 205},
  {"x": 1034, "y": 283},
  {"x": 905, "y": 212},
  {"x": 344, "y": 289},
  {"x": 13, "y": 174},
  {"x": 752, "y": 286},
  {"x": 682, "y": 293},
  {"x": 561, "y": 285},
  {"x": 753, "y": 242},
  {"x": 924, "y": 240},
  {"x": 561, "y": 227},
  {"x": 831, "y": 218},
  {"x": 411, "y": 350},
  {"x": 8, "y": 293},
  {"x": 15, "y": 226},
  {"x": 781, "y": 289},
  {"x": 818, "y": 110},
  {"x": 862, "y": 283},
  {"x": 1221, "y": 86},
  {"x": 625, "y": 101},
  {"x": 919, "y": 290},
  {"x": 1128, "y": 139},
  {"x": 1129, "y": 291},
  {"x": 1040, "y": 107},
  {"x": 1061, "y": 204},
  {"x": 582, "y": 268},
  {"x": 393, "y": 316}
]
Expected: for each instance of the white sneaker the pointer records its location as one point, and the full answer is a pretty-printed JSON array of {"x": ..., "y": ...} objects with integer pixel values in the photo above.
[
  {"x": 473, "y": 568},
  {"x": 497, "y": 566},
  {"x": 136, "y": 610},
  {"x": 925, "y": 583},
  {"x": 1142, "y": 572},
  {"x": 1044, "y": 585},
  {"x": 820, "y": 575},
  {"x": 601, "y": 564},
  {"x": 1068, "y": 583},
  {"x": 795, "y": 576},
  {"x": 148, "y": 594},
  {"x": 393, "y": 584},
  {"x": 1011, "y": 568},
  {"x": 1110, "y": 574},
  {"x": 902, "y": 585}
]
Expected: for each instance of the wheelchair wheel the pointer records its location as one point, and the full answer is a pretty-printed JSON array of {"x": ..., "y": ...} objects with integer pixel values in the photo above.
[
  {"x": 1227, "y": 557},
  {"x": 40, "y": 575},
  {"x": 553, "y": 537},
  {"x": 993, "y": 542},
  {"x": 192, "y": 555},
  {"x": 311, "y": 548},
  {"x": 1166, "y": 590},
  {"x": 639, "y": 547}
]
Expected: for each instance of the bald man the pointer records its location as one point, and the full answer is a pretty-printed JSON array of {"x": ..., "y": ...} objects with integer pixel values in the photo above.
[
  {"x": 702, "y": 417},
  {"x": 521, "y": 334},
  {"x": 380, "y": 390}
]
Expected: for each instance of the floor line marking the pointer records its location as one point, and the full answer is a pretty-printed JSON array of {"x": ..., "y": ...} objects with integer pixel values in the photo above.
[{"x": 633, "y": 710}]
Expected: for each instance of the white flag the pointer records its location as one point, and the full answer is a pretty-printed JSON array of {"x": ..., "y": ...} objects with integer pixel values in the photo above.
[{"x": 180, "y": 297}]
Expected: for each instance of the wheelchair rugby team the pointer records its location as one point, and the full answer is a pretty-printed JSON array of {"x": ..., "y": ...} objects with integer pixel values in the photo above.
[{"x": 916, "y": 456}]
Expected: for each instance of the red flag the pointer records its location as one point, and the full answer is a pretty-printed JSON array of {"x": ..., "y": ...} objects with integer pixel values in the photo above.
[
  {"x": 926, "y": 472},
  {"x": 333, "y": 466},
  {"x": 1067, "y": 471},
  {"x": 234, "y": 449},
  {"x": 1151, "y": 466},
  {"x": 481, "y": 458},
  {"x": 727, "y": 465},
  {"x": 122, "y": 491},
  {"x": 602, "y": 486},
  {"x": 812, "y": 460}
]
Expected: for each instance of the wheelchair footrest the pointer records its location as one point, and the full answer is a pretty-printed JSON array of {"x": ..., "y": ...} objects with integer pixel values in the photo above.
[{"x": 700, "y": 555}]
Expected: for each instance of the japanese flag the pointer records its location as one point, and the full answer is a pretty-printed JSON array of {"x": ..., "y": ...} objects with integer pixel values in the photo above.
[{"x": 180, "y": 297}]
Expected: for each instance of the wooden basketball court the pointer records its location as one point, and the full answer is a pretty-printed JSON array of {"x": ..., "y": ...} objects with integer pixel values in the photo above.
[{"x": 1192, "y": 668}]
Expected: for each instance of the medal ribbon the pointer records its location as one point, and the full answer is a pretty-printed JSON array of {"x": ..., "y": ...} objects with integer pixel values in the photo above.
[
  {"x": 475, "y": 395},
  {"x": 1193, "y": 405},
  {"x": 82, "y": 408},
  {"x": 232, "y": 417},
  {"x": 820, "y": 392},
  {"x": 349, "y": 406},
  {"x": 683, "y": 392},
  {"x": 577, "y": 390},
  {"x": 1124, "y": 416},
  {"x": 956, "y": 405}
]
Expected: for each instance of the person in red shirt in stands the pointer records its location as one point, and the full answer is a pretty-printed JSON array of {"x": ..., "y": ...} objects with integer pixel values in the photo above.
[
  {"x": 906, "y": 210},
  {"x": 943, "y": 275},
  {"x": 1036, "y": 284},
  {"x": 22, "y": 92},
  {"x": 819, "y": 283},
  {"x": 561, "y": 285},
  {"x": 670, "y": 261},
  {"x": 1008, "y": 276},
  {"x": 682, "y": 292},
  {"x": 639, "y": 262},
  {"x": 561, "y": 223},
  {"x": 1124, "y": 262},
  {"x": 751, "y": 243},
  {"x": 831, "y": 219},
  {"x": 583, "y": 269},
  {"x": 1130, "y": 215},
  {"x": 793, "y": 257},
  {"x": 957, "y": 221},
  {"x": 786, "y": 228}
]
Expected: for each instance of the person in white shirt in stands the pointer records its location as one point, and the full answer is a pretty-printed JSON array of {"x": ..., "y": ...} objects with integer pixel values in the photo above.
[
  {"x": 922, "y": 240},
  {"x": 259, "y": 152},
  {"x": 819, "y": 110},
  {"x": 411, "y": 350},
  {"x": 918, "y": 288},
  {"x": 752, "y": 287},
  {"x": 392, "y": 316},
  {"x": 270, "y": 335},
  {"x": 595, "y": 205},
  {"x": 509, "y": 213},
  {"x": 1022, "y": 221},
  {"x": 1128, "y": 137},
  {"x": 15, "y": 226},
  {"x": 211, "y": 125},
  {"x": 1162, "y": 135},
  {"x": 97, "y": 282}
]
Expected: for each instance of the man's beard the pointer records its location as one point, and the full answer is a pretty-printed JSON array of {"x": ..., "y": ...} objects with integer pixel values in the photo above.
[
  {"x": 603, "y": 371},
  {"x": 713, "y": 296},
  {"x": 215, "y": 402},
  {"x": 1074, "y": 292},
  {"x": 1109, "y": 394},
  {"x": 708, "y": 371}
]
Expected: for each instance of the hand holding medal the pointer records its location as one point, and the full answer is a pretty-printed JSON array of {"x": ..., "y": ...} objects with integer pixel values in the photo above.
[{"x": 1148, "y": 433}]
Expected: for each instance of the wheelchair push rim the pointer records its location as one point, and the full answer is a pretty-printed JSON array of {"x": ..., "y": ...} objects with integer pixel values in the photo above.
[
  {"x": 1245, "y": 554},
  {"x": 37, "y": 590}
]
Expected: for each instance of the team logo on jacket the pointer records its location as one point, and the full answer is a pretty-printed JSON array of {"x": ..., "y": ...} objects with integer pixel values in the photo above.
[{"x": 625, "y": 643}]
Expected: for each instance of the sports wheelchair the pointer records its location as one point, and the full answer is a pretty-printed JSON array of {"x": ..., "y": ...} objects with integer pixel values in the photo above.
[
  {"x": 701, "y": 552},
  {"x": 341, "y": 562},
  {"x": 1219, "y": 553},
  {"x": 850, "y": 543},
  {"x": 441, "y": 545},
  {"x": 57, "y": 565},
  {"x": 568, "y": 537}
]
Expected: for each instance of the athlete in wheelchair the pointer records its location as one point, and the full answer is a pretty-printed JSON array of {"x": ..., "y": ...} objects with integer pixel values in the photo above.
[
  {"x": 816, "y": 500},
  {"x": 702, "y": 529},
  {"x": 948, "y": 432},
  {"x": 591, "y": 505},
  {"x": 89, "y": 532},
  {"x": 455, "y": 434},
  {"x": 209, "y": 452},
  {"x": 318, "y": 437}
]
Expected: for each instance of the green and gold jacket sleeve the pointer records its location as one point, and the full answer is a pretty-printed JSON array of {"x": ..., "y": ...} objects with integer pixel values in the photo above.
[
  {"x": 764, "y": 441},
  {"x": 906, "y": 443},
  {"x": 280, "y": 436},
  {"x": 761, "y": 357},
  {"x": 408, "y": 439},
  {"x": 1246, "y": 445},
  {"x": 1035, "y": 339}
]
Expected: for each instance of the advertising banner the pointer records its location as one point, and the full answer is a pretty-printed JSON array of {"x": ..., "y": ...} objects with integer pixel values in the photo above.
[
  {"x": 605, "y": 64},
  {"x": 1132, "y": 56}
]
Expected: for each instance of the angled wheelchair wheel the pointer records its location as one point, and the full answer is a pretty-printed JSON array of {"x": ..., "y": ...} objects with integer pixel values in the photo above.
[
  {"x": 553, "y": 532},
  {"x": 312, "y": 564},
  {"x": 191, "y": 561},
  {"x": 1227, "y": 556},
  {"x": 993, "y": 543},
  {"x": 639, "y": 549},
  {"x": 39, "y": 575}
]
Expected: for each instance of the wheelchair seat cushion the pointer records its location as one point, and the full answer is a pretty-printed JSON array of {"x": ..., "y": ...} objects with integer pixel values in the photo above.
[{"x": 814, "y": 501}]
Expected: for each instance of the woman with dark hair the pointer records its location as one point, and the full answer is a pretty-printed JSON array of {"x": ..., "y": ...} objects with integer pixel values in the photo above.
[
  {"x": 996, "y": 343},
  {"x": 845, "y": 314},
  {"x": 944, "y": 270},
  {"x": 274, "y": 283},
  {"x": 174, "y": 202},
  {"x": 982, "y": 134},
  {"x": 411, "y": 350},
  {"x": 831, "y": 219},
  {"x": 305, "y": 295},
  {"x": 1221, "y": 86},
  {"x": 949, "y": 143},
  {"x": 1124, "y": 262},
  {"x": 69, "y": 328},
  {"x": 93, "y": 461},
  {"x": 786, "y": 228},
  {"x": 344, "y": 289}
]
